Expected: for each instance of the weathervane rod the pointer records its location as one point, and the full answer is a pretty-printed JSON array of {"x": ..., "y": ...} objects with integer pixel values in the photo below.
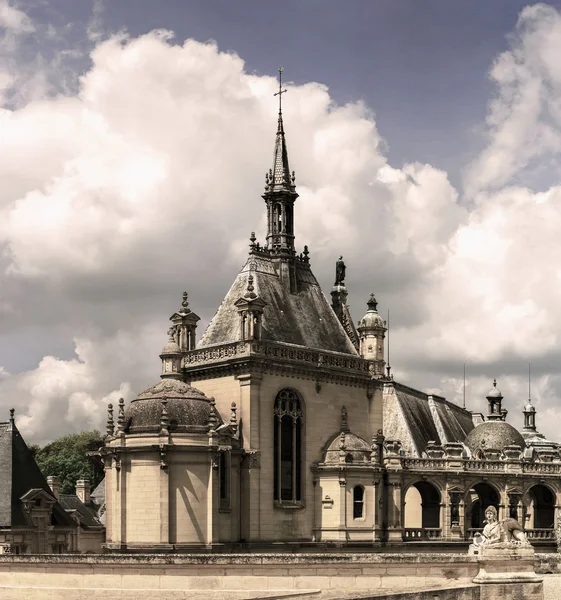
[
  {"x": 464, "y": 385},
  {"x": 529, "y": 381},
  {"x": 281, "y": 91}
]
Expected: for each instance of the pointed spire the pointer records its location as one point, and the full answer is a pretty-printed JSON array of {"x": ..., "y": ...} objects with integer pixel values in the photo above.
[
  {"x": 280, "y": 192},
  {"x": 280, "y": 175},
  {"x": 110, "y": 428}
]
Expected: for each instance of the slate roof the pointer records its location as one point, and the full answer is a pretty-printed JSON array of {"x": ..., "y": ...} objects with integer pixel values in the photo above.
[
  {"x": 303, "y": 317},
  {"x": 19, "y": 474},
  {"x": 88, "y": 515},
  {"x": 415, "y": 418}
]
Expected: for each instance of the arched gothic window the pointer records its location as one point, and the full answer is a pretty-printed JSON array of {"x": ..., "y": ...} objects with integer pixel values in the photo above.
[
  {"x": 288, "y": 447},
  {"x": 358, "y": 502}
]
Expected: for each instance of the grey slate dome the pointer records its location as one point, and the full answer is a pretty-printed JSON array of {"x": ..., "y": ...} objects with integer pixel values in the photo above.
[
  {"x": 188, "y": 409},
  {"x": 356, "y": 449},
  {"x": 494, "y": 435}
]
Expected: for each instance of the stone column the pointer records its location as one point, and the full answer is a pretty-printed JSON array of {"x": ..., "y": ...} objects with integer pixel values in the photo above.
[
  {"x": 250, "y": 389},
  {"x": 342, "y": 510},
  {"x": 395, "y": 512},
  {"x": 377, "y": 502}
]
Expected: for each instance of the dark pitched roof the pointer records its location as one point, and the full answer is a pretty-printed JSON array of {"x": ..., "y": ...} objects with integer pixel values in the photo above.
[
  {"x": 419, "y": 418},
  {"x": 88, "y": 515},
  {"x": 304, "y": 317},
  {"x": 19, "y": 474}
]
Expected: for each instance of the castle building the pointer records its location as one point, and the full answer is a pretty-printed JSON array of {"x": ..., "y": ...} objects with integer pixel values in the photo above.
[
  {"x": 281, "y": 426},
  {"x": 32, "y": 521}
]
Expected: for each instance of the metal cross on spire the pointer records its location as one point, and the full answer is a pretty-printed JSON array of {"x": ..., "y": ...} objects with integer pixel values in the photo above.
[{"x": 281, "y": 91}]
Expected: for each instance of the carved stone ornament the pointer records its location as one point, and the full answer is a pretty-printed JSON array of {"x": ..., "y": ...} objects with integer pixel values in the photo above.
[{"x": 253, "y": 459}]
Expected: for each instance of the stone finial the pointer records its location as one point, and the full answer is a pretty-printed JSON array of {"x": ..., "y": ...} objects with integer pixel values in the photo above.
[
  {"x": 185, "y": 304},
  {"x": 344, "y": 419},
  {"x": 250, "y": 293},
  {"x": 372, "y": 304},
  {"x": 252, "y": 240},
  {"x": 110, "y": 427},
  {"x": 121, "y": 417},
  {"x": 212, "y": 420},
  {"x": 306, "y": 254},
  {"x": 234, "y": 418},
  {"x": 342, "y": 441},
  {"x": 12, "y": 413},
  {"x": 164, "y": 418}
]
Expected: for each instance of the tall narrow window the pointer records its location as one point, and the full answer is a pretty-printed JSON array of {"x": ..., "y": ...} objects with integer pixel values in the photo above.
[
  {"x": 358, "y": 502},
  {"x": 224, "y": 479},
  {"x": 288, "y": 447}
]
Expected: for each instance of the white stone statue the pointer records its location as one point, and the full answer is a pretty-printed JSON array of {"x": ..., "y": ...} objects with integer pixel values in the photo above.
[{"x": 507, "y": 532}]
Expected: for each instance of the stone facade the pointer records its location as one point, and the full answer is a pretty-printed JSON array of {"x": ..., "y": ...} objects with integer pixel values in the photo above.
[{"x": 282, "y": 426}]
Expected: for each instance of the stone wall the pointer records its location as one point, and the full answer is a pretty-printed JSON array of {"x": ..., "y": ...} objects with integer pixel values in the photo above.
[{"x": 232, "y": 577}]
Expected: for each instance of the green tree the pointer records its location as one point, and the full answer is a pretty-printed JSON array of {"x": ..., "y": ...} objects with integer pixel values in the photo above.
[{"x": 67, "y": 458}]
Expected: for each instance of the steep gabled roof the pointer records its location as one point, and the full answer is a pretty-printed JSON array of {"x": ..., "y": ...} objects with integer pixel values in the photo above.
[
  {"x": 302, "y": 317},
  {"x": 19, "y": 474},
  {"x": 416, "y": 418}
]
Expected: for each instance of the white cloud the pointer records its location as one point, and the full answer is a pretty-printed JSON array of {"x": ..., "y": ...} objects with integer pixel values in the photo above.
[
  {"x": 13, "y": 19},
  {"x": 524, "y": 118},
  {"x": 148, "y": 180}
]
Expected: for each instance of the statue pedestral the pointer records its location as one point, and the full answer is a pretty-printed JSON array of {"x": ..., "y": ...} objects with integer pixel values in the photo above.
[{"x": 506, "y": 571}]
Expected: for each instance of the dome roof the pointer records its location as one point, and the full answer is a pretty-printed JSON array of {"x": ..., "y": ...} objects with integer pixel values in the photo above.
[
  {"x": 371, "y": 319},
  {"x": 171, "y": 348},
  {"x": 529, "y": 407},
  {"x": 188, "y": 409},
  {"x": 494, "y": 392},
  {"x": 356, "y": 449},
  {"x": 495, "y": 435}
]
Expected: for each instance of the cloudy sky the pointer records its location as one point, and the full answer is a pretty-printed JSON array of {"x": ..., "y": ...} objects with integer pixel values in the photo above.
[{"x": 426, "y": 140}]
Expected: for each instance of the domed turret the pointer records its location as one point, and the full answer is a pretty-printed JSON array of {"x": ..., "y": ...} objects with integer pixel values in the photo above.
[
  {"x": 495, "y": 398},
  {"x": 372, "y": 329},
  {"x": 188, "y": 409}
]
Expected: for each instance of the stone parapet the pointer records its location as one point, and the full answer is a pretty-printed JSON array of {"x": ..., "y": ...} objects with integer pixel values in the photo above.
[{"x": 230, "y": 357}]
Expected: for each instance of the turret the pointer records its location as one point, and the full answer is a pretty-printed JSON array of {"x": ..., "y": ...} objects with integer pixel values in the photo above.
[
  {"x": 529, "y": 418},
  {"x": 372, "y": 330},
  {"x": 494, "y": 399}
]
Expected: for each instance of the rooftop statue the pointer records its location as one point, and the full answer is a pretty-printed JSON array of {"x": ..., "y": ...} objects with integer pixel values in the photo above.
[
  {"x": 340, "y": 269},
  {"x": 507, "y": 532}
]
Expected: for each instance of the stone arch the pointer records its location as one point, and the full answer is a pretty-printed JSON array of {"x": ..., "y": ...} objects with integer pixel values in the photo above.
[
  {"x": 479, "y": 495},
  {"x": 421, "y": 505},
  {"x": 540, "y": 506}
]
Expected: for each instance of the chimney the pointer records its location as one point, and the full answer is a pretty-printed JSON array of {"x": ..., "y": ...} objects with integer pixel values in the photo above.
[
  {"x": 54, "y": 484},
  {"x": 83, "y": 490}
]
